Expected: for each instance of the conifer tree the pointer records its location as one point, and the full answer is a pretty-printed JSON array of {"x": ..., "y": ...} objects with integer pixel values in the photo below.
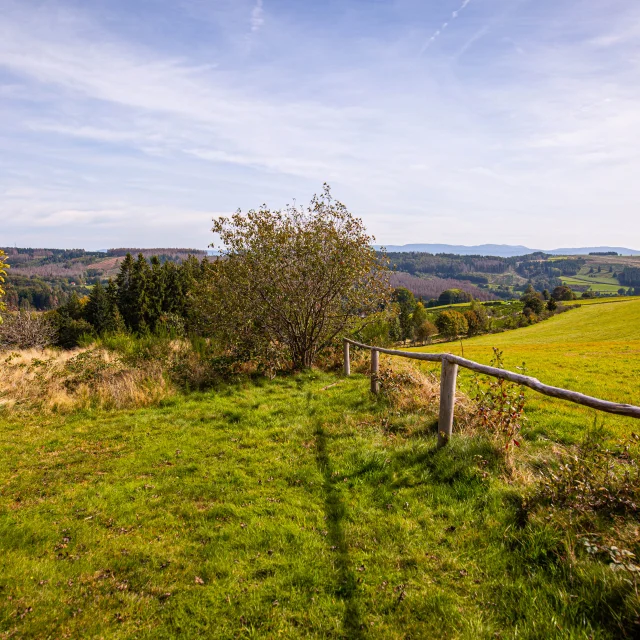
[
  {"x": 98, "y": 309},
  {"x": 172, "y": 288},
  {"x": 116, "y": 323},
  {"x": 156, "y": 290},
  {"x": 126, "y": 297},
  {"x": 139, "y": 285}
]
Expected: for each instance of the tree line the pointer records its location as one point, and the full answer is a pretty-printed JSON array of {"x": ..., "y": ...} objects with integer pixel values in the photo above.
[{"x": 146, "y": 296}]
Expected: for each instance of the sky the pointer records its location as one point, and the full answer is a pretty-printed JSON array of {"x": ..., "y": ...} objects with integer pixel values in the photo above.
[{"x": 129, "y": 123}]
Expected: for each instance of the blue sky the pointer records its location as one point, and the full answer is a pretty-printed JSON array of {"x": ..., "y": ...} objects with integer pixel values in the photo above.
[{"x": 133, "y": 123}]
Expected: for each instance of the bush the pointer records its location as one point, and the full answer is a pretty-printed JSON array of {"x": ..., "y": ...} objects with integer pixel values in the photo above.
[
  {"x": 26, "y": 330},
  {"x": 500, "y": 405},
  {"x": 72, "y": 333},
  {"x": 290, "y": 283},
  {"x": 595, "y": 478}
]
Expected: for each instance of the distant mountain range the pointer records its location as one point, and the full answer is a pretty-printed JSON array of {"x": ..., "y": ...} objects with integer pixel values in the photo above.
[{"x": 503, "y": 250}]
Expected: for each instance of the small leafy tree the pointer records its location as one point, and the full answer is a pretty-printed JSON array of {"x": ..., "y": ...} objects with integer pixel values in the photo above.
[
  {"x": 477, "y": 319},
  {"x": 289, "y": 283},
  {"x": 451, "y": 324},
  {"x": 418, "y": 317},
  {"x": 426, "y": 331},
  {"x": 406, "y": 303}
]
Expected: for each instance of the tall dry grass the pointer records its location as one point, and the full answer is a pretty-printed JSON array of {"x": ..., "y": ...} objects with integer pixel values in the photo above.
[{"x": 62, "y": 381}]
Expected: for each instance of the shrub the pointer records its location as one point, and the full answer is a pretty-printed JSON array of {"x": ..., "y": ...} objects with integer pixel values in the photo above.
[
  {"x": 26, "y": 330},
  {"x": 595, "y": 478},
  {"x": 500, "y": 405},
  {"x": 71, "y": 333}
]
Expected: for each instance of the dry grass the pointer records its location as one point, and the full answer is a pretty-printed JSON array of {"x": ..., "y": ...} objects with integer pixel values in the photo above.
[{"x": 63, "y": 381}]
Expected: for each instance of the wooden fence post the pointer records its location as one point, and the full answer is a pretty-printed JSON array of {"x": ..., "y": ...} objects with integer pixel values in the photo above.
[
  {"x": 375, "y": 365},
  {"x": 347, "y": 361},
  {"x": 448, "y": 376}
]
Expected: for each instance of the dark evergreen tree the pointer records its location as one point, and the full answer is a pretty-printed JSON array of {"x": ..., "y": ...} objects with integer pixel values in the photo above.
[
  {"x": 116, "y": 323},
  {"x": 171, "y": 302},
  {"x": 156, "y": 291},
  {"x": 140, "y": 282},
  {"x": 98, "y": 309},
  {"x": 126, "y": 300}
]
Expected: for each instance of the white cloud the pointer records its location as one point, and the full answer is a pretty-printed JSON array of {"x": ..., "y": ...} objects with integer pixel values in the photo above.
[
  {"x": 104, "y": 135},
  {"x": 257, "y": 16}
]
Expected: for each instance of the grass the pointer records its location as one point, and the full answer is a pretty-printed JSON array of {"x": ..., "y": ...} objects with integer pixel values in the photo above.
[
  {"x": 598, "y": 284},
  {"x": 295, "y": 508},
  {"x": 305, "y": 507},
  {"x": 594, "y": 349}
]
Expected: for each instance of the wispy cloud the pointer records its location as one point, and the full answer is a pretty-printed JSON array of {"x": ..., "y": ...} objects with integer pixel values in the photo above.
[
  {"x": 445, "y": 24},
  {"x": 133, "y": 140},
  {"x": 257, "y": 16}
]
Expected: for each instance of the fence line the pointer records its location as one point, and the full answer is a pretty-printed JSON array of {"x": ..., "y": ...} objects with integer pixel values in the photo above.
[{"x": 448, "y": 377}]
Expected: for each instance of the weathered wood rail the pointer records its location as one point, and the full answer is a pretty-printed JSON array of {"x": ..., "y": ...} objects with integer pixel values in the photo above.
[{"x": 449, "y": 372}]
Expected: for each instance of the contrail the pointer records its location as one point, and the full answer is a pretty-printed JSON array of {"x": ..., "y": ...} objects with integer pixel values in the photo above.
[{"x": 454, "y": 15}]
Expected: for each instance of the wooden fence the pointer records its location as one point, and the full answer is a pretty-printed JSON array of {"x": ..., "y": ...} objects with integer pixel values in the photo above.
[{"x": 449, "y": 373}]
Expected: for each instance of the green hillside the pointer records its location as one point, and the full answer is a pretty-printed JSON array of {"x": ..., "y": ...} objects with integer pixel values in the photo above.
[{"x": 594, "y": 349}]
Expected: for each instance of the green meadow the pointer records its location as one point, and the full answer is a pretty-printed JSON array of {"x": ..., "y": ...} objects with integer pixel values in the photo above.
[
  {"x": 305, "y": 507},
  {"x": 594, "y": 349}
]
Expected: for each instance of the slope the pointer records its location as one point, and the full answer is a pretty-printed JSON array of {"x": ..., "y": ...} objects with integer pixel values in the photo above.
[{"x": 594, "y": 349}]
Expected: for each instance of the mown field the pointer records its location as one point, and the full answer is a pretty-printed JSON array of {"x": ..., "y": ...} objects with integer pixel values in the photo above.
[
  {"x": 594, "y": 349},
  {"x": 305, "y": 507}
]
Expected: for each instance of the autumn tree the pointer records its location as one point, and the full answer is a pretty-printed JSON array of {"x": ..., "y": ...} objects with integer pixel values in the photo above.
[
  {"x": 288, "y": 283},
  {"x": 426, "y": 331},
  {"x": 451, "y": 324}
]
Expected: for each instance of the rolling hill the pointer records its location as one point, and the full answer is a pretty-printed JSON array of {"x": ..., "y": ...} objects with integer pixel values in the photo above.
[
  {"x": 503, "y": 250},
  {"x": 594, "y": 349}
]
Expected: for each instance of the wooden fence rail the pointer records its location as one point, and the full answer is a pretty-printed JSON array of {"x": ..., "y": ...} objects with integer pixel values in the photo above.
[{"x": 449, "y": 371}]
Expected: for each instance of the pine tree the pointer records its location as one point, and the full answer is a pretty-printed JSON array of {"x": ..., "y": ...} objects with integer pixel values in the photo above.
[
  {"x": 126, "y": 301},
  {"x": 172, "y": 288},
  {"x": 156, "y": 291},
  {"x": 139, "y": 286},
  {"x": 116, "y": 323},
  {"x": 98, "y": 309}
]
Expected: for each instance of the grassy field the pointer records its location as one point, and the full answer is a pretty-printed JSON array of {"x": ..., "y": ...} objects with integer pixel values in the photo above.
[
  {"x": 305, "y": 507},
  {"x": 598, "y": 284},
  {"x": 295, "y": 508},
  {"x": 594, "y": 349}
]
